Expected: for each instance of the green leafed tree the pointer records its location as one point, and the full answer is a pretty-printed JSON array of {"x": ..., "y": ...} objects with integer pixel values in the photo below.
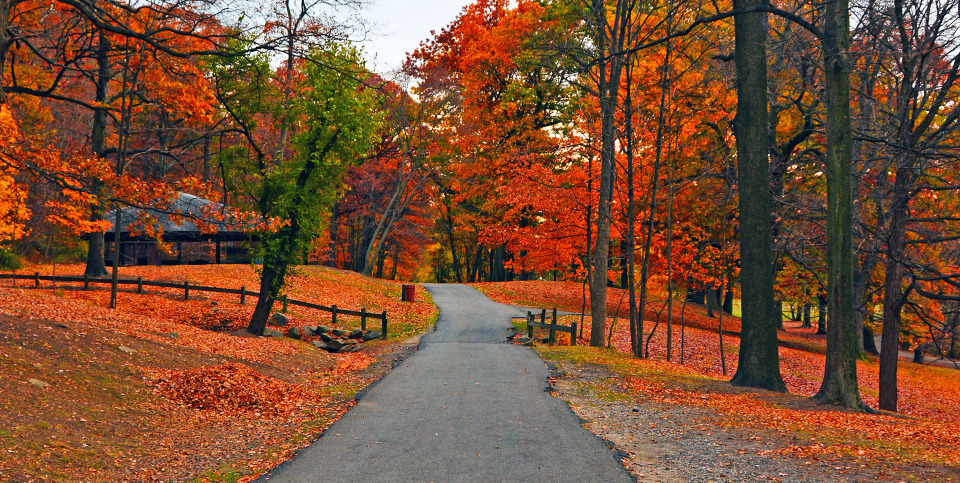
[{"x": 334, "y": 117}]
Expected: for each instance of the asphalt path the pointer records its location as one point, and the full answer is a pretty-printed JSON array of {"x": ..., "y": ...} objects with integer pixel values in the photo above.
[{"x": 466, "y": 406}]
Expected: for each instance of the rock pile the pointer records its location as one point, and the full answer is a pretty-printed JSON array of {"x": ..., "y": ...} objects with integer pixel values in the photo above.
[{"x": 322, "y": 337}]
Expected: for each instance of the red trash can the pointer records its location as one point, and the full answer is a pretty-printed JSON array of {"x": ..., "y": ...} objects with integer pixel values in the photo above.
[{"x": 409, "y": 293}]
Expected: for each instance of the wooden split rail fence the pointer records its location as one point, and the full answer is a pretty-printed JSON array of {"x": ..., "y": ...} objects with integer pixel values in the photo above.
[
  {"x": 242, "y": 292},
  {"x": 553, "y": 328}
]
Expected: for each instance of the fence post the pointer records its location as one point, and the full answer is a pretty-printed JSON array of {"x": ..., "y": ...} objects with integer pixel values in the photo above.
[
  {"x": 186, "y": 290},
  {"x": 243, "y": 295},
  {"x": 86, "y": 282},
  {"x": 334, "y": 321},
  {"x": 36, "y": 279},
  {"x": 285, "y": 300},
  {"x": 543, "y": 316},
  {"x": 383, "y": 324},
  {"x": 573, "y": 335},
  {"x": 553, "y": 332},
  {"x": 139, "y": 284},
  {"x": 363, "y": 319},
  {"x": 529, "y": 327}
]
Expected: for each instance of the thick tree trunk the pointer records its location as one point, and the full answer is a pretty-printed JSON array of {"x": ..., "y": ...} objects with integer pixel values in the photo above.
[
  {"x": 806, "y": 316},
  {"x": 840, "y": 371},
  {"x": 759, "y": 362}
]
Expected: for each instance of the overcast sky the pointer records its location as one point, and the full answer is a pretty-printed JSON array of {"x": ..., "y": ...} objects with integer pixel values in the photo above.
[{"x": 403, "y": 24}]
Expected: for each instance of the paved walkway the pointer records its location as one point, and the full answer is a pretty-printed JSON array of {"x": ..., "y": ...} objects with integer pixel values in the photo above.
[{"x": 465, "y": 407}]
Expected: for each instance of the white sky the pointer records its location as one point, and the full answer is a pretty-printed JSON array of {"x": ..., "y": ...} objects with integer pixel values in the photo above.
[{"x": 403, "y": 24}]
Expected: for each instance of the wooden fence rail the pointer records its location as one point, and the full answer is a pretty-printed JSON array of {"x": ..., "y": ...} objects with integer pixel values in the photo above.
[
  {"x": 553, "y": 328},
  {"x": 187, "y": 288}
]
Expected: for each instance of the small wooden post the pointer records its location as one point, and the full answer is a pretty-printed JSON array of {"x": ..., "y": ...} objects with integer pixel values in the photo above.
[
  {"x": 86, "y": 282},
  {"x": 285, "y": 301},
  {"x": 363, "y": 319},
  {"x": 553, "y": 332},
  {"x": 573, "y": 334},
  {"x": 243, "y": 295},
  {"x": 334, "y": 321},
  {"x": 543, "y": 316},
  {"x": 383, "y": 324},
  {"x": 529, "y": 327},
  {"x": 36, "y": 279},
  {"x": 186, "y": 290},
  {"x": 139, "y": 284}
]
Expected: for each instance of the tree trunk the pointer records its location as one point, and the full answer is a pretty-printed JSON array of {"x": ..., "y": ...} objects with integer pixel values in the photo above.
[
  {"x": 477, "y": 262},
  {"x": 261, "y": 313},
  {"x": 609, "y": 43},
  {"x": 869, "y": 343},
  {"x": 822, "y": 317},
  {"x": 759, "y": 364},
  {"x": 840, "y": 371},
  {"x": 332, "y": 245},
  {"x": 806, "y": 316},
  {"x": 96, "y": 266},
  {"x": 453, "y": 248}
]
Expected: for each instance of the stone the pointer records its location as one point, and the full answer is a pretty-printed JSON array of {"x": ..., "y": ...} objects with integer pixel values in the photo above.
[
  {"x": 322, "y": 329},
  {"x": 355, "y": 334},
  {"x": 320, "y": 345},
  {"x": 326, "y": 337},
  {"x": 126, "y": 350},
  {"x": 339, "y": 332},
  {"x": 524, "y": 340},
  {"x": 279, "y": 319},
  {"x": 310, "y": 330},
  {"x": 348, "y": 347},
  {"x": 335, "y": 344},
  {"x": 295, "y": 333},
  {"x": 38, "y": 383},
  {"x": 268, "y": 332},
  {"x": 370, "y": 335}
]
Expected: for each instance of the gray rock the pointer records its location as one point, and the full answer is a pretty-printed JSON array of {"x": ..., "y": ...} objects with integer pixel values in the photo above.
[
  {"x": 295, "y": 333},
  {"x": 268, "y": 332},
  {"x": 355, "y": 334},
  {"x": 322, "y": 329},
  {"x": 347, "y": 348},
  {"x": 126, "y": 350},
  {"x": 339, "y": 332},
  {"x": 310, "y": 330},
  {"x": 335, "y": 344},
  {"x": 38, "y": 383},
  {"x": 524, "y": 340},
  {"x": 370, "y": 335},
  {"x": 279, "y": 319},
  {"x": 326, "y": 337}
]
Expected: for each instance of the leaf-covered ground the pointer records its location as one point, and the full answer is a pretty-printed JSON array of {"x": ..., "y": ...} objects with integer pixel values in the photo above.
[
  {"x": 922, "y": 440},
  {"x": 164, "y": 389}
]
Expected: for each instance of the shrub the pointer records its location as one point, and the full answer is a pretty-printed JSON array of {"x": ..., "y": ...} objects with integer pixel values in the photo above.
[{"x": 9, "y": 260}]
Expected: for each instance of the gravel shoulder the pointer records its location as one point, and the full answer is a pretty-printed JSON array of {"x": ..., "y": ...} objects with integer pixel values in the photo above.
[{"x": 682, "y": 443}]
